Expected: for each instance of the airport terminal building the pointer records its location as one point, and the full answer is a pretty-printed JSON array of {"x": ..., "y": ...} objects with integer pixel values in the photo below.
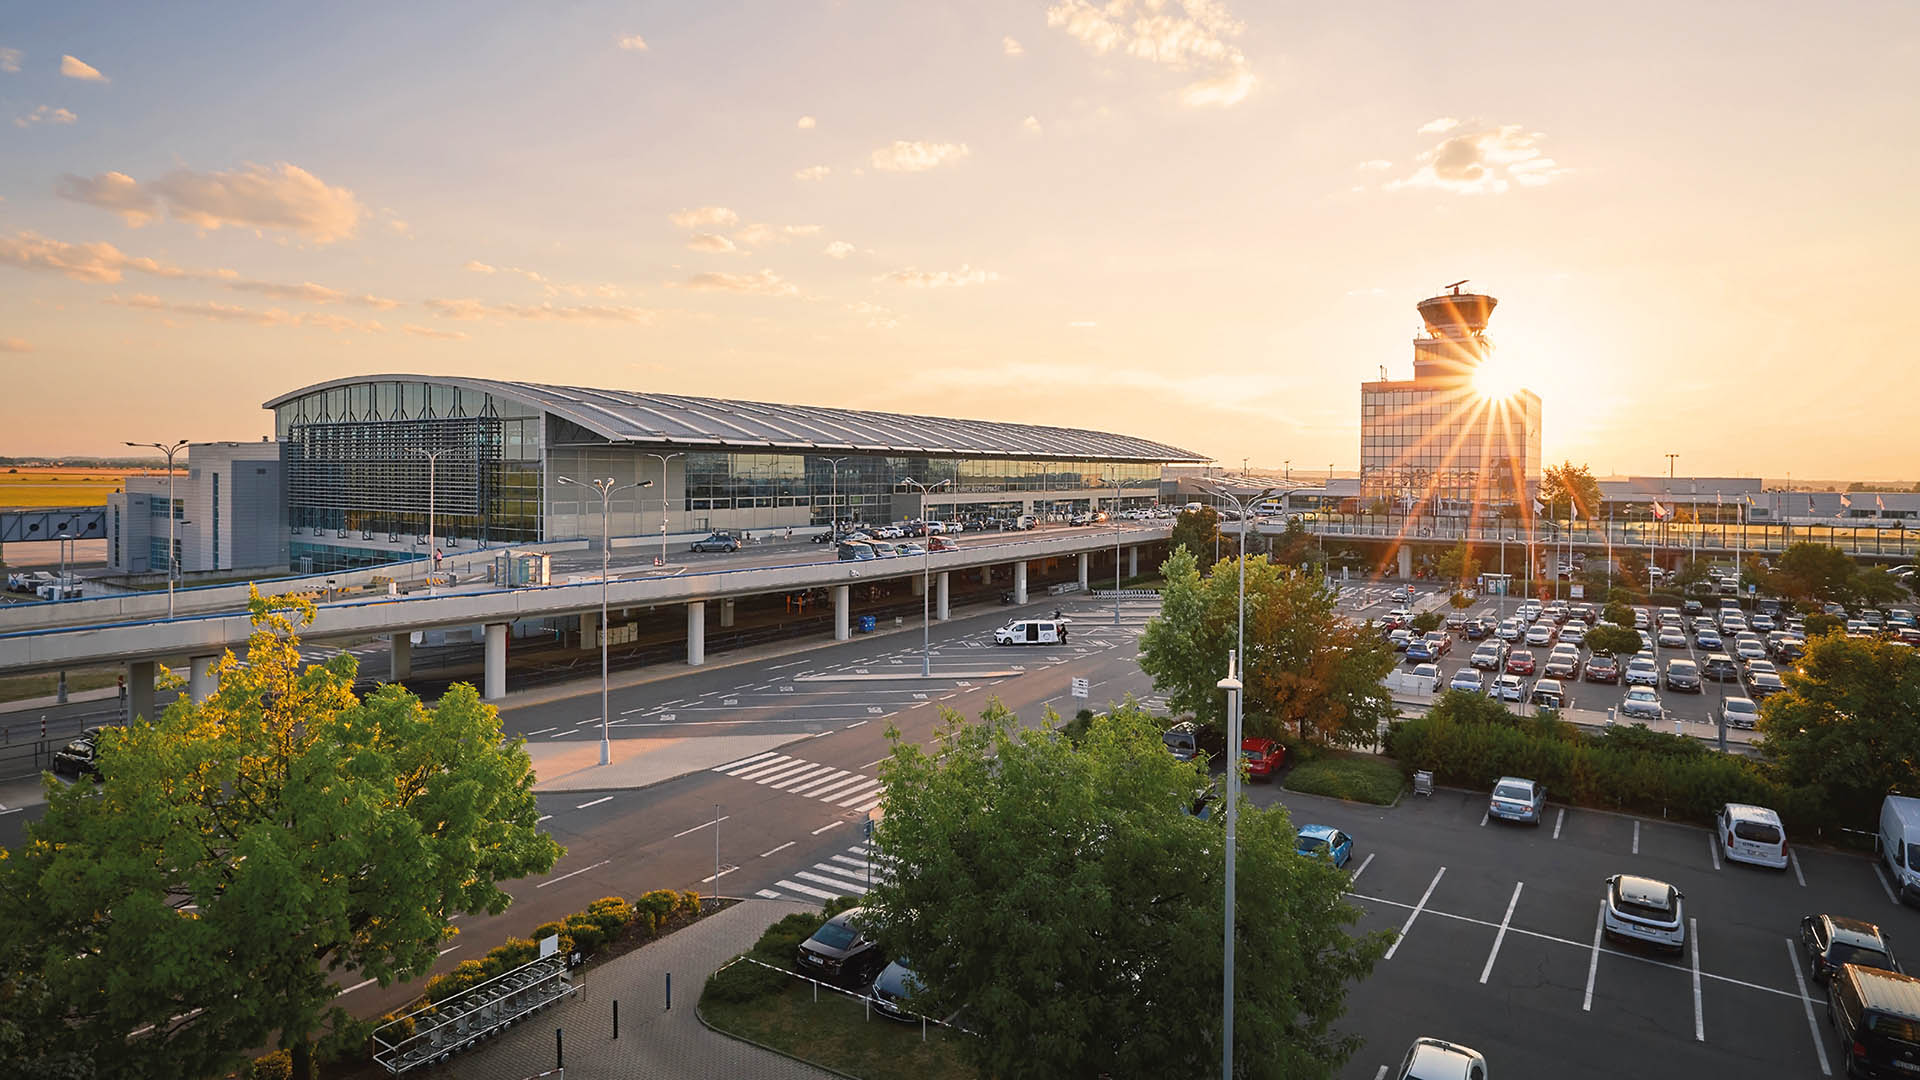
[{"x": 359, "y": 458}]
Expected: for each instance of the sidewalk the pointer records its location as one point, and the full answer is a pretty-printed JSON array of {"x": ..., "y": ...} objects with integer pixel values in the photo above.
[{"x": 654, "y": 1042}]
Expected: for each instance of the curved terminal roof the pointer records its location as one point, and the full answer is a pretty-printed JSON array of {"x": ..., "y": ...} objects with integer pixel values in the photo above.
[{"x": 626, "y": 416}]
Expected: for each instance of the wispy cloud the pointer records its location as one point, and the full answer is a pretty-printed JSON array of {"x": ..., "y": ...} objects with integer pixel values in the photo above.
[
  {"x": 839, "y": 249},
  {"x": 760, "y": 283},
  {"x": 430, "y": 332},
  {"x": 905, "y": 156},
  {"x": 938, "y": 279},
  {"x": 633, "y": 43},
  {"x": 812, "y": 172},
  {"x": 805, "y": 123},
  {"x": 1438, "y": 125},
  {"x": 104, "y": 264},
  {"x": 115, "y": 191},
  {"x": 1374, "y": 165},
  {"x": 216, "y": 312},
  {"x": 74, "y": 68},
  {"x": 279, "y": 197},
  {"x": 10, "y": 60},
  {"x": 45, "y": 114},
  {"x": 1010, "y": 47},
  {"x": 1481, "y": 160},
  {"x": 877, "y": 317},
  {"x": 711, "y": 243},
  {"x": 1198, "y": 39},
  {"x": 703, "y": 215},
  {"x": 1031, "y": 125},
  {"x": 14, "y": 344},
  {"x": 473, "y": 308}
]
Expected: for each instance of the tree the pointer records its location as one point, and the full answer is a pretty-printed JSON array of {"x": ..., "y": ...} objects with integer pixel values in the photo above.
[
  {"x": 1617, "y": 612},
  {"x": 1567, "y": 486},
  {"x": 239, "y": 850},
  {"x": 1460, "y": 601},
  {"x": 1457, "y": 564},
  {"x": 1294, "y": 546},
  {"x": 1874, "y": 587},
  {"x": 1820, "y": 624},
  {"x": 1691, "y": 572},
  {"x": 1426, "y": 621},
  {"x": 1632, "y": 565},
  {"x": 1065, "y": 899},
  {"x": 1809, "y": 571},
  {"x": 1848, "y": 724},
  {"x": 1308, "y": 671},
  {"x": 1197, "y": 530},
  {"x": 1614, "y": 640}
]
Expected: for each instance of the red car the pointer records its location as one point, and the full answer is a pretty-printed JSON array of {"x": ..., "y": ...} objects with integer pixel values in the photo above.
[
  {"x": 1520, "y": 663},
  {"x": 1262, "y": 756},
  {"x": 941, "y": 543}
]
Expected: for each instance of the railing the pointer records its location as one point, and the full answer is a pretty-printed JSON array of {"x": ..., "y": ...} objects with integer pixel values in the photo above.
[
  {"x": 436, "y": 1032},
  {"x": 867, "y": 999},
  {"x": 1721, "y": 539}
]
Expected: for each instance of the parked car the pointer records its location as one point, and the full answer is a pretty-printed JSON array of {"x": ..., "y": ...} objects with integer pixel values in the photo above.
[
  {"x": 1509, "y": 631},
  {"x": 1478, "y": 629},
  {"x": 1507, "y": 688},
  {"x": 1562, "y": 665},
  {"x": 1832, "y": 940},
  {"x": 1421, "y": 650},
  {"x": 77, "y": 758},
  {"x": 1751, "y": 834},
  {"x": 1517, "y": 799},
  {"x": 1642, "y": 671},
  {"x": 719, "y": 541},
  {"x": 1400, "y": 638},
  {"x": 1762, "y": 685},
  {"x": 1520, "y": 662},
  {"x": 1324, "y": 841},
  {"x": 1683, "y": 675},
  {"x": 1182, "y": 740},
  {"x": 1548, "y": 694},
  {"x": 1671, "y": 637},
  {"x": 1720, "y": 668},
  {"x": 1876, "y": 1014},
  {"x": 1424, "y": 672},
  {"x": 1488, "y": 656},
  {"x": 1574, "y": 633},
  {"x": 1603, "y": 669},
  {"x": 842, "y": 951},
  {"x": 1739, "y": 712},
  {"x": 1466, "y": 679},
  {"x": 1262, "y": 755},
  {"x": 1540, "y": 633},
  {"x": 1707, "y": 639},
  {"x": 1438, "y": 1059},
  {"x": 941, "y": 543},
  {"x": 1642, "y": 703},
  {"x": 1644, "y": 909},
  {"x": 893, "y": 988}
]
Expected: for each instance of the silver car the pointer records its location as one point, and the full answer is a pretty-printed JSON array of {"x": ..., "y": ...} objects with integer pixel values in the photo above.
[
  {"x": 1517, "y": 799},
  {"x": 1438, "y": 1059}
]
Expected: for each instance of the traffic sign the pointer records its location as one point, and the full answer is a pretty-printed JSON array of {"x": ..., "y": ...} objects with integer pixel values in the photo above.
[{"x": 1079, "y": 688}]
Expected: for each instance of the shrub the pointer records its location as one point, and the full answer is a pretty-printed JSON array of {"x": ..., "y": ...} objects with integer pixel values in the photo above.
[
  {"x": 275, "y": 1066},
  {"x": 741, "y": 982},
  {"x": 509, "y": 955},
  {"x": 348, "y": 1042},
  {"x": 779, "y": 942},
  {"x": 548, "y": 929},
  {"x": 839, "y": 904},
  {"x": 1076, "y": 729},
  {"x": 1362, "y": 779}
]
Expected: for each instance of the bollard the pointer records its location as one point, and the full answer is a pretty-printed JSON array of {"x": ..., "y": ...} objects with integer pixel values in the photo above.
[
  {"x": 559, "y": 1050},
  {"x": 669, "y": 991},
  {"x": 616, "y": 1018},
  {"x": 43, "y": 726}
]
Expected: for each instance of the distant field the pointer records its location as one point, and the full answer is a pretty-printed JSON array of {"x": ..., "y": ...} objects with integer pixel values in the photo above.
[{"x": 28, "y": 488}]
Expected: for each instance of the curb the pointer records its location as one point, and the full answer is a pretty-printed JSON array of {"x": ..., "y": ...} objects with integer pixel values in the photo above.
[{"x": 708, "y": 1024}]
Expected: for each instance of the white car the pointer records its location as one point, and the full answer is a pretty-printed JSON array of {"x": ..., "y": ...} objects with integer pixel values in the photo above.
[
  {"x": 1509, "y": 631},
  {"x": 1438, "y": 1059},
  {"x": 1508, "y": 688},
  {"x": 1643, "y": 703},
  {"x": 1540, "y": 634},
  {"x": 1643, "y": 909},
  {"x": 1750, "y": 649},
  {"x": 1466, "y": 679},
  {"x": 1422, "y": 673},
  {"x": 1642, "y": 672},
  {"x": 1751, "y": 834},
  {"x": 1739, "y": 712}
]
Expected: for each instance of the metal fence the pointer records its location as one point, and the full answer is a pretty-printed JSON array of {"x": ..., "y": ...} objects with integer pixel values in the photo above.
[
  {"x": 866, "y": 999},
  {"x": 434, "y": 1033}
]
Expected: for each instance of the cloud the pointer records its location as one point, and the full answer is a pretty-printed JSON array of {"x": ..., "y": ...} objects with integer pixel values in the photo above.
[
  {"x": 10, "y": 61},
  {"x": 216, "y": 312},
  {"x": 104, "y": 264},
  {"x": 904, "y": 156},
  {"x": 1083, "y": 324},
  {"x": 14, "y": 344},
  {"x": 939, "y": 279},
  {"x": 471, "y": 308},
  {"x": 430, "y": 332},
  {"x": 1482, "y": 160},
  {"x": 1031, "y": 125},
  {"x": 1197, "y": 39},
  {"x": 115, "y": 191},
  {"x": 705, "y": 215},
  {"x": 761, "y": 235},
  {"x": 1438, "y": 125},
  {"x": 45, "y": 114},
  {"x": 712, "y": 243},
  {"x": 633, "y": 43},
  {"x": 78, "y": 69},
  {"x": 839, "y": 249},
  {"x": 878, "y": 318},
  {"x": 1010, "y": 47},
  {"x": 812, "y": 172},
  {"x": 1374, "y": 165},
  {"x": 400, "y": 227},
  {"x": 762, "y": 283},
  {"x": 806, "y": 123}
]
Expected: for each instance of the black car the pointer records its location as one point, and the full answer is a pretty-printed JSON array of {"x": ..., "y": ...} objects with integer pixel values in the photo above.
[
  {"x": 1877, "y": 1016},
  {"x": 76, "y": 759},
  {"x": 717, "y": 542},
  {"x": 1683, "y": 675},
  {"x": 1832, "y": 940},
  {"x": 1762, "y": 685},
  {"x": 841, "y": 951}
]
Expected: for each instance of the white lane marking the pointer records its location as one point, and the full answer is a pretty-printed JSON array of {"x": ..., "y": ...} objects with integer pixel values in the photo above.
[
  {"x": 1713, "y": 848},
  {"x": 356, "y": 986},
  {"x": 832, "y": 774},
  {"x": 1502, "y": 935},
  {"x": 700, "y": 826},
  {"x": 559, "y": 735},
  {"x": 1794, "y": 858},
  {"x": 1558, "y": 820},
  {"x": 822, "y": 734},
  {"x": 872, "y": 763},
  {"x": 1636, "y": 838},
  {"x": 1799, "y": 980},
  {"x": 448, "y": 949},
  {"x": 813, "y": 772},
  {"x": 858, "y": 864},
  {"x": 1593, "y": 965},
  {"x": 595, "y": 802},
  {"x": 1382, "y": 1074},
  {"x": 718, "y": 876},
  {"x": 1483, "y": 819},
  {"x": 1888, "y": 889},
  {"x": 826, "y": 794},
  {"x": 828, "y": 825},
  {"x": 762, "y": 767},
  {"x": 778, "y": 667},
  {"x": 1364, "y": 863},
  {"x": 1414, "y": 914},
  {"x": 855, "y": 724},
  {"x": 855, "y": 875},
  {"x": 1699, "y": 1021},
  {"x": 857, "y": 793},
  {"x": 779, "y": 849},
  {"x": 743, "y": 761},
  {"x": 575, "y": 873},
  {"x": 542, "y": 731},
  {"x": 794, "y": 886},
  {"x": 588, "y": 720},
  {"x": 792, "y": 768},
  {"x": 838, "y": 883},
  {"x": 768, "y": 894},
  {"x": 541, "y": 818},
  {"x": 868, "y": 808}
]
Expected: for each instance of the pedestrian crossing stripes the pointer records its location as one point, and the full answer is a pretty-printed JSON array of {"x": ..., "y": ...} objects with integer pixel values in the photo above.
[
  {"x": 810, "y": 779},
  {"x": 850, "y": 873}
]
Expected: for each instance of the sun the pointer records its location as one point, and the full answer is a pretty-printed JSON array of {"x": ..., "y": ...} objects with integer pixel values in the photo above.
[{"x": 1496, "y": 381}]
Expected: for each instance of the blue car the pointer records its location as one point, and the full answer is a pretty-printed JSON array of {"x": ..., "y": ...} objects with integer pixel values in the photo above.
[{"x": 1325, "y": 840}]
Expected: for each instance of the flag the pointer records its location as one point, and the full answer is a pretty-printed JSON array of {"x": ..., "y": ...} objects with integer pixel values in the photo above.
[
  {"x": 1659, "y": 512},
  {"x": 1810, "y": 509},
  {"x": 1880, "y": 504},
  {"x": 1538, "y": 506},
  {"x": 1846, "y": 502}
]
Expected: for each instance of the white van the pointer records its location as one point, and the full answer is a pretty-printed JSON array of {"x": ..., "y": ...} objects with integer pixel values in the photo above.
[
  {"x": 1900, "y": 843},
  {"x": 1031, "y": 632},
  {"x": 1752, "y": 834}
]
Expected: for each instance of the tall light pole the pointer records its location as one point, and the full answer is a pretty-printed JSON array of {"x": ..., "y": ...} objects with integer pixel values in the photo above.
[
  {"x": 433, "y": 461},
  {"x": 1113, "y": 514},
  {"x": 664, "y": 458},
  {"x": 606, "y": 488},
  {"x": 1668, "y": 491},
  {"x": 173, "y": 561},
  {"x": 833, "y": 527},
  {"x": 926, "y": 579}
]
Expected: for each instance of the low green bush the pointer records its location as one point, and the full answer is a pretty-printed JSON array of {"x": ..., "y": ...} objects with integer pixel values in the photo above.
[
  {"x": 778, "y": 943},
  {"x": 350, "y": 1040},
  {"x": 1341, "y": 776},
  {"x": 742, "y": 981},
  {"x": 275, "y": 1066}
]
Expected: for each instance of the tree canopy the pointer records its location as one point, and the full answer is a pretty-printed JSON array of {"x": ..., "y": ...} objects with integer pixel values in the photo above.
[
  {"x": 1458, "y": 564},
  {"x": 1197, "y": 530},
  {"x": 1618, "y": 613},
  {"x": 1567, "y": 486},
  {"x": 1848, "y": 723},
  {"x": 1816, "y": 572},
  {"x": 1080, "y": 909},
  {"x": 191, "y": 907},
  {"x": 1309, "y": 672},
  {"x": 1614, "y": 640}
]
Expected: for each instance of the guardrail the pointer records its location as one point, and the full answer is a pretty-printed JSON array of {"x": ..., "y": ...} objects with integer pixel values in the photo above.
[
  {"x": 868, "y": 999},
  {"x": 1884, "y": 540}
]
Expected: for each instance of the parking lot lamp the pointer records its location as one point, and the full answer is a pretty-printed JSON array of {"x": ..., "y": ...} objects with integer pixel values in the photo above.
[
  {"x": 833, "y": 514},
  {"x": 664, "y": 458},
  {"x": 433, "y": 459},
  {"x": 926, "y": 578},
  {"x": 1232, "y": 685},
  {"x": 606, "y": 488},
  {"x": 173, "y": 561},
  {"x": 1113, "y": 513}
]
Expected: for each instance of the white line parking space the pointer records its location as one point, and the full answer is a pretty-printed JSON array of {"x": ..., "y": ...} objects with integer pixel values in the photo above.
[
  {"x": 1414, "y": 914},
  {"x": 1593, "y": 963},
  {"x": 1502, "y": 935},
  {"x": 1813, "y": 1027},
  {"x": 1699, "y": 1019}
]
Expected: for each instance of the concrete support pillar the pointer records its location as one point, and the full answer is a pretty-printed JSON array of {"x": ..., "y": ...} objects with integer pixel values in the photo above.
[
  {"x": 726, "y": 613},
  {"x": 940, "y": 597},
  {"x": 1133, "y": 561},
  {"x": 60, "y": 689},
  {"x": 495, "y": 685},
  {"x": 842, "y": 601},
  {"x": 1406, "y": 562},
  {"x": 697, "y": 633},
  {"x": 1085, "y": 561},
  {"x": 140, "y": 690},
  {"x": 986, "y": 575},
  {"x": 399, "y": 657},
  {"x": 919, "y": 585},
  {"x": 1020, "y": 582},
  {"x": 200, "y": 679}
]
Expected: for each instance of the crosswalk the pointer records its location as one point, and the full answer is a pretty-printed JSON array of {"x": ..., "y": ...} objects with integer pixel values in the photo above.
[
  {"x": 847, "y": 788},
  {"x": 849, "y": 873}
]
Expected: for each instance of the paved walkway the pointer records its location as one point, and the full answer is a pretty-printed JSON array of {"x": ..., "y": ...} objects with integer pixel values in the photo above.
[{"x": 653, "y": 1042}]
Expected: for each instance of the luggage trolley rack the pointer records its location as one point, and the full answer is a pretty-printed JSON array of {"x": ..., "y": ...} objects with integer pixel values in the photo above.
[{"x": 434, "y": 1033}]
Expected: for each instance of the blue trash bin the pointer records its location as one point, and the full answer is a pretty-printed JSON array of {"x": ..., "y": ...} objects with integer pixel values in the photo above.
[{"x": 868, "y": 623}]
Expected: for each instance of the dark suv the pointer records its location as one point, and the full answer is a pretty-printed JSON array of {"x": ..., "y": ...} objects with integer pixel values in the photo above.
[
  {"x": 841, "y": 951},
  {"x": 1832, "y": 940},
  {"x": 1877, "y": 1016}
]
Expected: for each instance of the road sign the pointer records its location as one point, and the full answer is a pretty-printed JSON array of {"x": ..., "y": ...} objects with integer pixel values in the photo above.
[
  {"x": 1079, "y": 688},
  {"x": 867, "y": 828},
  {"x": 1751, "y": 589}
]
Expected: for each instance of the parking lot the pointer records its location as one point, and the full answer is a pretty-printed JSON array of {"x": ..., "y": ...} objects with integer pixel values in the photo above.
[{"x": 1498, "y": 944}]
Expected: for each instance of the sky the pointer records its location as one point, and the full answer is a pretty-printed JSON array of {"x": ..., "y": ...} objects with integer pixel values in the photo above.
[{"x": 1203, "y": 222}]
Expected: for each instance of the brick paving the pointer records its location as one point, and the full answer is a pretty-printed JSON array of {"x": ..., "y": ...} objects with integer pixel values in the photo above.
[{"x": 653, "y": 1042}]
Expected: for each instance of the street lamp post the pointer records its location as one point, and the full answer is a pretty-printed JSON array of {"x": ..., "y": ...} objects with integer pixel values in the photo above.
[
  {"x": 664, "y": 458},
  {"x": 606, "y": 488},
  {"x": 433, "y": 460},
  {"x": 833, "y": 512},
  {"x": 1113, "y": 514},
  {"x": 173, "y": 561},
  {"x": 926, "y": 579}
]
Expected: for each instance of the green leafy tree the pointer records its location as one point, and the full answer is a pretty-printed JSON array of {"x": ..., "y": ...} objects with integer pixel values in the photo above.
[
  {"x": 1820, "y": 623},
  {"x": 1632, "y": 565},
  {"x": 1460, "y": 601},
  {"x": 239, "y": 850},
  {"x": 1874, "y": 587},
  {"x": 1567, "y": 486},
  {"x": 1614, "y": 640},
  {"x": 1809, "y": 571},
  {"x": 1690, "y": 572},
  {"x": 1079, "y": 913},
  {"x": 1199, "y": 532},
  {"x": 1294, "y": 546},
  {"x": 1309, "y": 672},
  {"x": 1458, "y": 564},
  {"x": 1848, "y": 724},
  {"x": 1427, "y": 621},
  {"x": 1617, "y": 612}
]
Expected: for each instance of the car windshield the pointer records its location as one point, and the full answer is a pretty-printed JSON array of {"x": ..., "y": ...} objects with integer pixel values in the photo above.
[
  {"x": 1639, "y": 693},
  {"x": 1760, "y": 832},
  {"x": 1512, "y": 791},
  {"x": 835, "y": 935},
  {"x": 1311, "y": 844},
  {"x": 1739, "y": 706},
  {"x": 1841, "y": 953}
]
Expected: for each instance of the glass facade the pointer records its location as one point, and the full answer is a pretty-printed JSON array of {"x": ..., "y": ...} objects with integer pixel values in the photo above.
[{"x": 1444, "y": 448}]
